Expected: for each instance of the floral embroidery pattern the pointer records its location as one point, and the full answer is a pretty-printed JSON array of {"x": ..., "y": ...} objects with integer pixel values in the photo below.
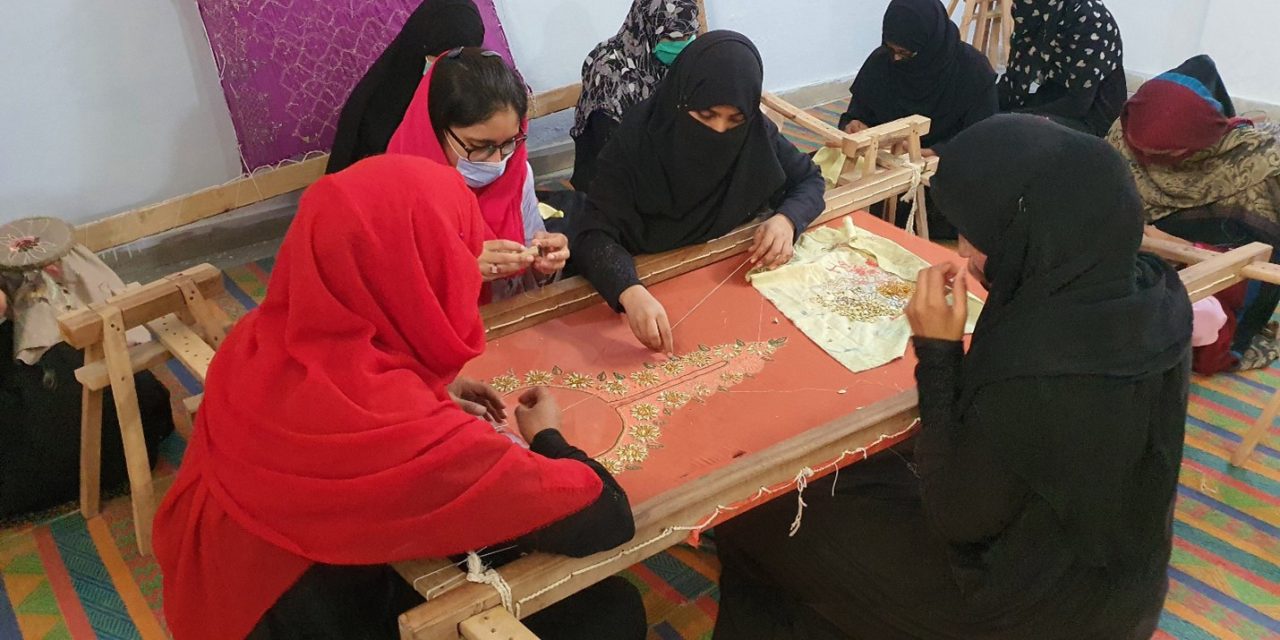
[
  {"x": 863, "y": 293},
  {"x": 645, "y": 398}
]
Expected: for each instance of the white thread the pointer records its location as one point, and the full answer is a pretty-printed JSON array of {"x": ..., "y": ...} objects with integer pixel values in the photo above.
[
  {"x": 917, "y": 176},
  {"x": 802, "y": 483},
  {"x": 480, "y": 574}
]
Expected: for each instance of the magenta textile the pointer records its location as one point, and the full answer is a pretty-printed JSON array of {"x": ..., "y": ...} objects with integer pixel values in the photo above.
[{"x": 287, "y": 66}]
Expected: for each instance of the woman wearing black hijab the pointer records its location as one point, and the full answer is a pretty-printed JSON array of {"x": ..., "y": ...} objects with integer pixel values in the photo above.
[
  {"x": 1066, "y": 63},
  {"x": 688, "y": 165},
  {"x": 378, "y": 102},
  {"x": 923, "y": 68},
  {"x": 1038, "y": 502}
]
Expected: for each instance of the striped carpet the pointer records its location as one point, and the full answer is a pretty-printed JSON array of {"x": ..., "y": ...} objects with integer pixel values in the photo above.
[{"x": 64, "y": 577}]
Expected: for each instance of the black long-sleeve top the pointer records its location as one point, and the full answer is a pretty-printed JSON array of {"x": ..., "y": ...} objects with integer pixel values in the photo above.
[
  {"x": 611, "y": 268},
  {"x": 1010, "y": 550},
  {"x": 602, "y": 525},
  {"x": 985, "y": 105},
  {"x": 1094, "y": 109}
]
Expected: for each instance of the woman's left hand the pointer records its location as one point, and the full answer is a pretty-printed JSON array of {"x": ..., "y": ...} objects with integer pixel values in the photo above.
[
  {"x": 930, "y": 314},
  {"x": 478, "y": 399},
  {"x": 554, "y": 254},
  {"x": 773, "y": 244}
]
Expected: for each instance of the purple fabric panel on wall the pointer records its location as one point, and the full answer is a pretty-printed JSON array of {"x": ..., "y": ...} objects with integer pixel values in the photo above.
[{"x": 287, "y": 66}]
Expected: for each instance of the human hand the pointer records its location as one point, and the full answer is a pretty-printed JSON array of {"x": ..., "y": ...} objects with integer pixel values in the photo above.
[
  {"x": 478, "y": 399},
  {"x": 1156, "y": 234},
  {"x": 554, "y": 252},
  {"x": 537, "y": 412},
  {"x": 773, "y": 243},
  {"x": 648, "y": 319},
  {"x": 501, "y": 259},
  {"x": 855, "y": 127},
  {"x": 4, "y": 303},
  {"x": 928, "y": 153},
  {"x": 929, "y": 312}
]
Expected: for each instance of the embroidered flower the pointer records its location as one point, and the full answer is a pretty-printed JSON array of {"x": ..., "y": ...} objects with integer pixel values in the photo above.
[
  {"x": 632, "y": 454},
  {"x": 578, "y": 381},
  {"x": 646, "y": 433},
  {"x": 505, "y": 383},
  {"x": 674, "y": 399},
  {"x": 672, "y": 367},
  {"x": 615, "y": 387},
  {"x": 644, "y": 411},
  {"x": 538, "y": 378},
  {"x": 646, "y": 378}
]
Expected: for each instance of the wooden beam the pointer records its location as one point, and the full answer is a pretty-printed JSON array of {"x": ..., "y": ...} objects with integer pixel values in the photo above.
[
  {"x": 141, "y": 357},
  {"x": 686, "y": 505},
  {"x": 186, "y": 346},
  {"x": 554, "y": 101},
  {"x": 1222, "y": 271},
  {"x": 495, "y": 624},
  {"x": 150, "y": 220},
  {"x": 139, "y": 306},
  {"x": 431, "y": 578},
  {"x": 702, "y": 17}
]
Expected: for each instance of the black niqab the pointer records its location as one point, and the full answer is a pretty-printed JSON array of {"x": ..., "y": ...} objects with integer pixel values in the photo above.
[
  {"x": 377, "y": 105},
  {"x": 666, "y": 180},
  {"x": 941, "y": 81},
  {"x": 1059, "y": 218}
]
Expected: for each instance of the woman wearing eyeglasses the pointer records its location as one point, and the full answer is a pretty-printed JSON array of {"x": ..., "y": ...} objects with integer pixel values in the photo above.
[{"x": 470, "y": 113}]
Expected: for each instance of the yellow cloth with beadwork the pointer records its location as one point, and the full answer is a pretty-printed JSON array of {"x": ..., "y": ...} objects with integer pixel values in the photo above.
[{"x": 847, "y": 289}]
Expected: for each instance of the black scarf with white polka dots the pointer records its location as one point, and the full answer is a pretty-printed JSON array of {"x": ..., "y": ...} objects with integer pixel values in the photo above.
[{"x": 1070, "y": 43}]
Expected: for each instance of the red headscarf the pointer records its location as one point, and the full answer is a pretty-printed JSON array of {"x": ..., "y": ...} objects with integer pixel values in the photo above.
[
  {"x": 1171, "y": 118},
  {"x": 327, "y": 433},
  {"x": 500, "y": 202}
]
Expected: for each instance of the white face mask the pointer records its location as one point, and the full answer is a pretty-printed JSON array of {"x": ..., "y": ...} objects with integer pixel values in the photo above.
[{"x": 479, "y": 174}]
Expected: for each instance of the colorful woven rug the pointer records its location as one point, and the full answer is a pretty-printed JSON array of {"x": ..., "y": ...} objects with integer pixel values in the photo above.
[{"x": 64, "y": 577}]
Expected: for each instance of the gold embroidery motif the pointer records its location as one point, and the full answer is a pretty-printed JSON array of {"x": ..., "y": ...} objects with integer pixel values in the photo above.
[
  {"x": 538, "y": 379},
  {"x": 646, "y": 378},
  {"x": 578, "y": 381},
  {"x": 505, "y": 383},
  {"x": 644, "y": 411}
]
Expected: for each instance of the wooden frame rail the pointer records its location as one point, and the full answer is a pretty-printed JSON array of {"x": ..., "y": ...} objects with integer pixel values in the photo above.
[
  {"x": 988, "y": 26},
  {"x": 167, "y": 307},
  {"x": 1208, "y": 273},
  {"x": 539, "y": 580}
]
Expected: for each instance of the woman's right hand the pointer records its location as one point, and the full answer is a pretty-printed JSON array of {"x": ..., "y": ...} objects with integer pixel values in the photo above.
[
  {"x": 855, "y": 127},
  {"x": 648, "y": 319},
  {"x": 502, "y": 259},
  {"x": 538, "y": 411}
]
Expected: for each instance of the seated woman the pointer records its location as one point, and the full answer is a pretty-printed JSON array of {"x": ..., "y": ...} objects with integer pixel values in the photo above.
[
  {"x": 328, "y": 446},
  {"x": 40, "y": 398},
  {"x": 625, "y": 69},
  {"x": 1038, "y": 500},
  {"x": 923, "y": 68},
  {"x": 1066, "y": 63},
  {"x": 689, "y": 165},
  {"x": 1208, "y": 177},
  {"x": 378, "y": 102},
  {"x": 470, "y": 113}
]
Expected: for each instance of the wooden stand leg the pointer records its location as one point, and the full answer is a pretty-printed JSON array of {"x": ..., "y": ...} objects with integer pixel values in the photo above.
[
  {"x": 922, "y": 214},
  {"x": 495, "y": 624},
  {"x": 1259, "y": 431},
  {"x": 91, "y": 442},
  {"x": 116, "y": 352},
  {"x": 891, "y": 210}
]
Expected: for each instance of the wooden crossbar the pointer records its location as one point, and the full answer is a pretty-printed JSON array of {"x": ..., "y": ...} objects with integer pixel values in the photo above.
[
  {"x": 109, "y": 362},
  {"x": 1208, "y": 273}
]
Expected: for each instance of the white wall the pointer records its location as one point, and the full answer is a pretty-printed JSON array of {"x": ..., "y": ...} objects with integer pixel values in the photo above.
[
  {"x": 107, "y": 105},
  {"x": 549, "y": 38},
  {"x": 1239, "y": 34}
]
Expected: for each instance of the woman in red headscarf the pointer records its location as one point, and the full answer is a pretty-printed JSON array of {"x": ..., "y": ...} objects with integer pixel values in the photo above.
[
  {"x": 330, "y": 443},
  {"x": 470, "y": 113},
  {"x": 1208, "y": 176}
]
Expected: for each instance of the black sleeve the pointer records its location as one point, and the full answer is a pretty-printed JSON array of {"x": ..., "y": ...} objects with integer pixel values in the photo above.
[
  {"x": 985, "y": 106},
  {"x": 1073, "y": 104},
  {"x": 604, "y": 262},
  {"x": 802, "y": 200},
  {"x": 605, "y": 524},
  {"x": 968, "y": 495},
  {"x": 855, "y": 112}
]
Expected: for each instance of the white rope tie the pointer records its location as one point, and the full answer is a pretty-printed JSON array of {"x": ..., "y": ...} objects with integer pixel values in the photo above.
[
  {"x": 917, "y": 177},
  {"x": 478, "y": 573},
  {"x": 802, "y": 483}
]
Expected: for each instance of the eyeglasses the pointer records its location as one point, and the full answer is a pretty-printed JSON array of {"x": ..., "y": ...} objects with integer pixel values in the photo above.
[
  {"x": 900, "y": 53},
  {"x": 485, "y": 152}
]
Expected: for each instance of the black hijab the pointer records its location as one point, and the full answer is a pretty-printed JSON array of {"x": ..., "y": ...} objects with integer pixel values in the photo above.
[
  {"x": 941, "y": 81},
  {"x": 1059, "y": 218},
  {"x": 378, "y": 102},
  {"x": 667, "y": 181}
]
